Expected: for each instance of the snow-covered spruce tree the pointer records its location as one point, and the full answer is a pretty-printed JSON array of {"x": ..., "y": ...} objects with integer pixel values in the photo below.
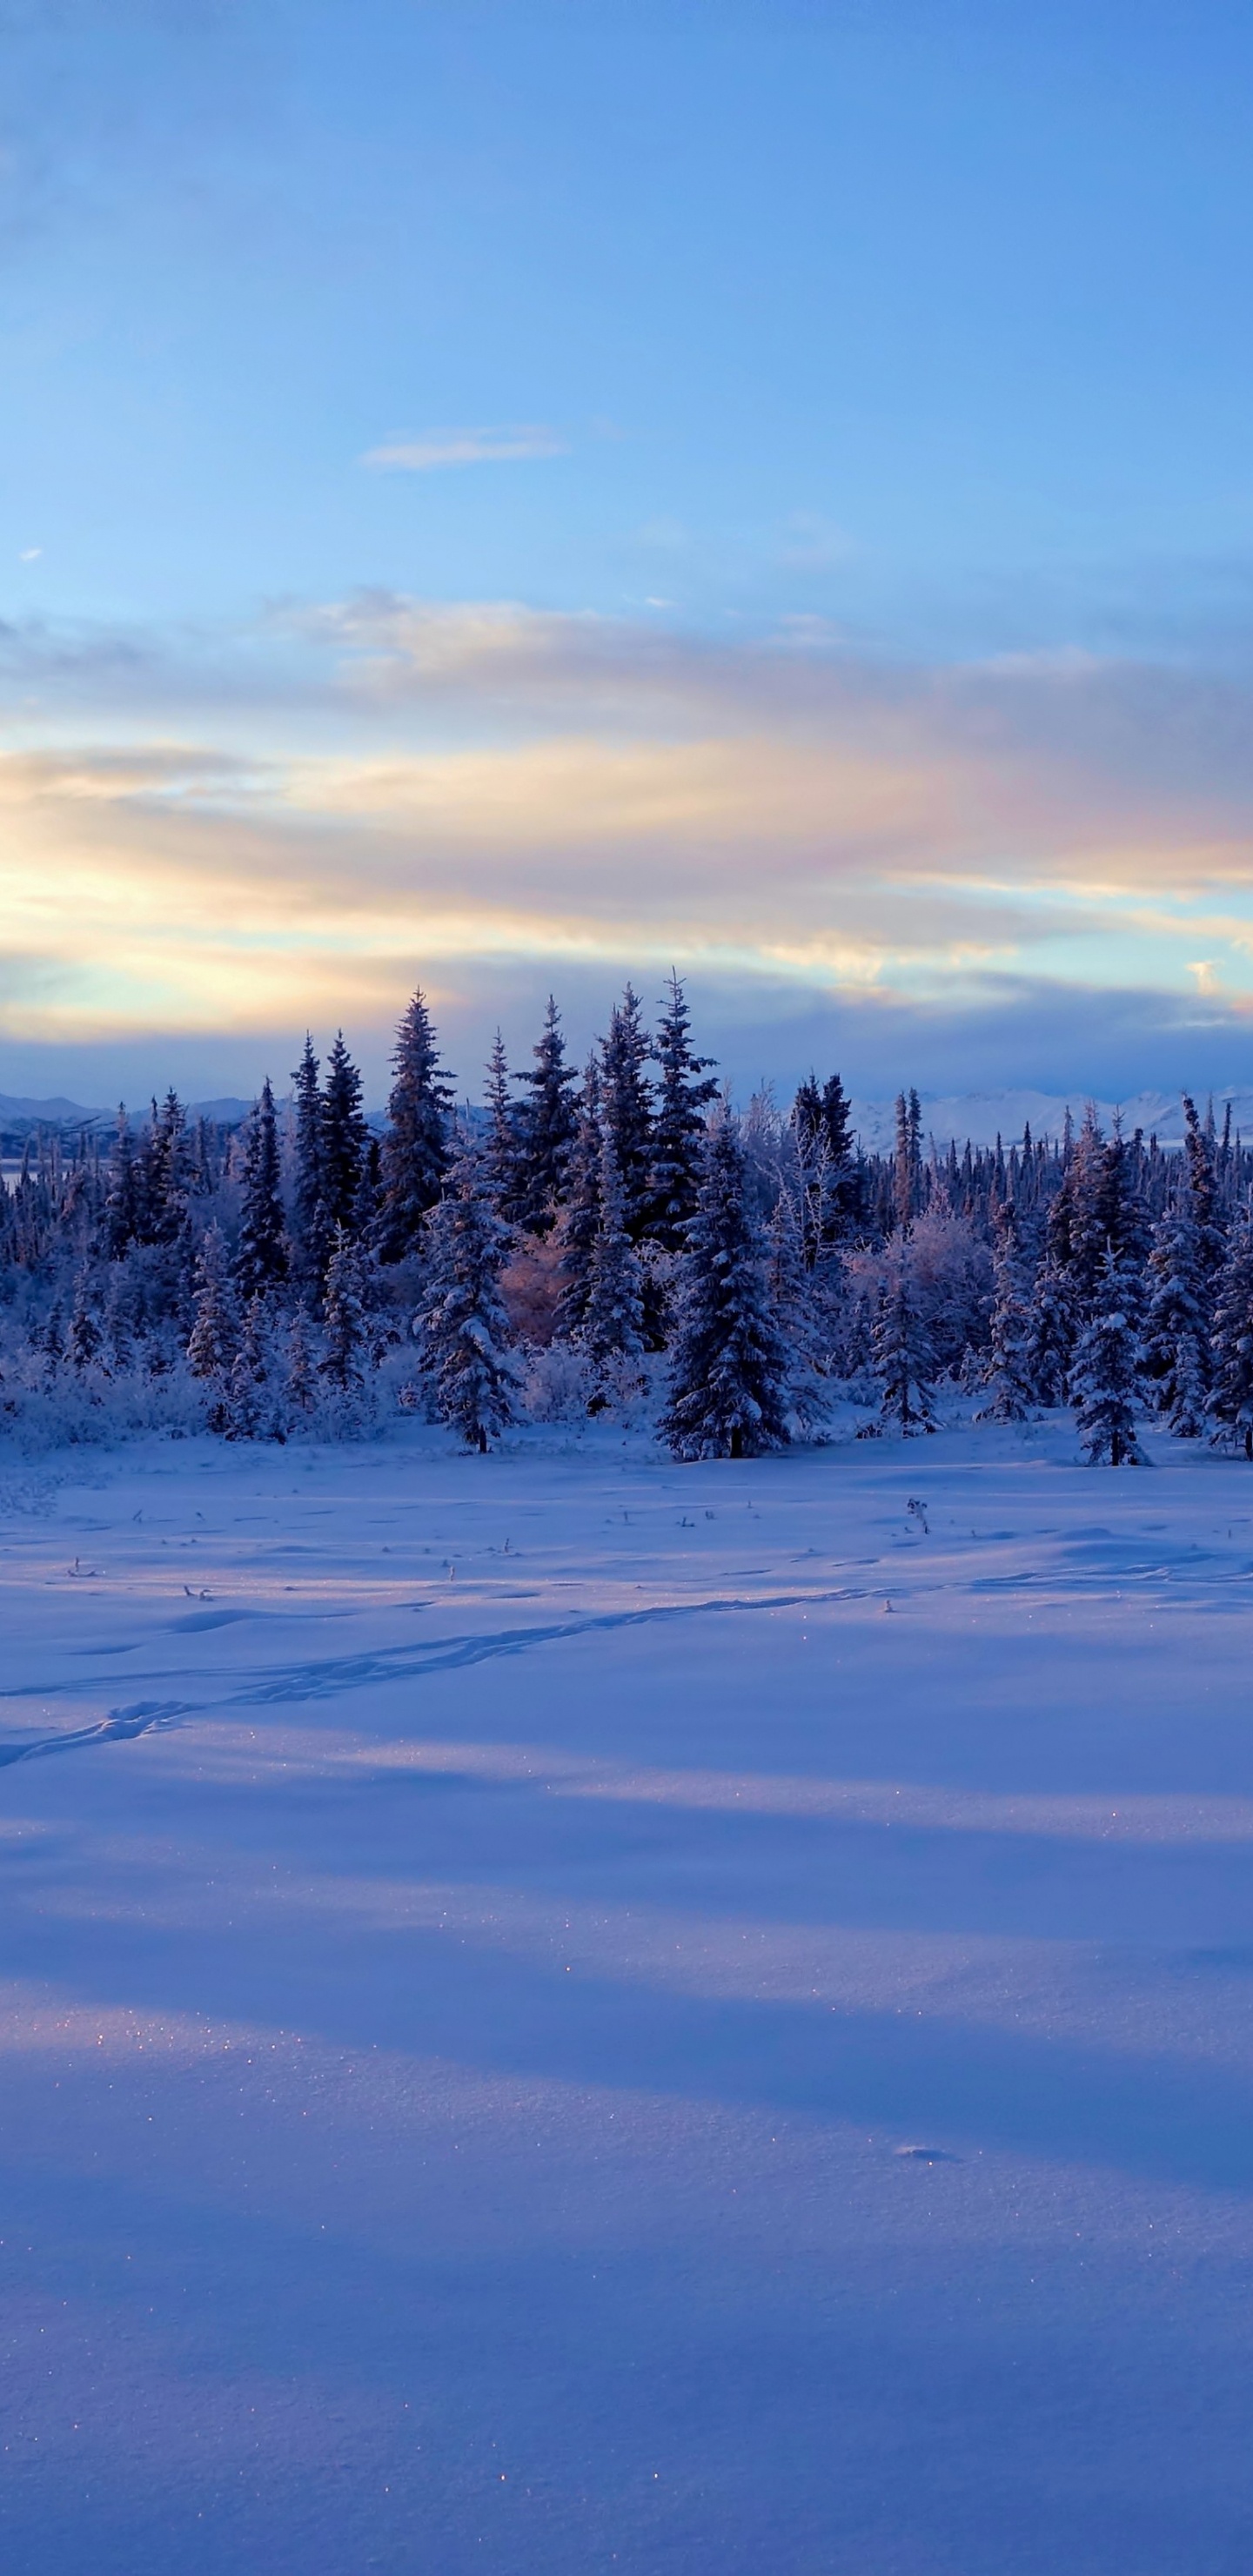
[
  {"x": 809, "y": 1308},
  {"x": 500, "y": 1143},
  {"x": 901, "y": 1350},
  {"x": 685, "y": 1091},
  {"x": 214, "y": 1332},
  {"x": 300, "y": 1384},
  {"x": 728, "y": 1389},
  {"x": 310, "y": 1225},
  {"x": 164, "y": 1174},
  {"x": 84, "y": 1341},
  {"x": 344, "y": 1138},
  {"x": 544, "y": 1122},
  {"x": 1230, "y": 1405},
  {"x": 346, "y": 1334},
  {"x": 612, "y": 1330},
  {"x": 1006, "y": 1374},
  {"x": 1105, "y": 1387},
  {"x": 261, "y": 1259},
  {"x": 907, "y": 1159},
  {"x": 1203, "y": 1194},
  {"x": 1049, "y": 1347},
  {"x": 580, "y": 1219},
  {"x": 462, "y": 1325},
  {"x": 248, "y": 1409},
  {"x": 415, "y": 1152},
  {"x": 627, "y": 1108},
  {"x": 121, "y": 1207},
  {"x": 821, "y": 1127},
  {"x": 1176, "y": 1339}
]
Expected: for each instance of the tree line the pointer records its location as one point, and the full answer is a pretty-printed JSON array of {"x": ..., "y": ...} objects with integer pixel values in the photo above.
[{"x": 606, "y": 1238}]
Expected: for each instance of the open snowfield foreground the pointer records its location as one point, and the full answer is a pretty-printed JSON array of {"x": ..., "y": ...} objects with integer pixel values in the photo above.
[{"x": 562, "y": 2013}]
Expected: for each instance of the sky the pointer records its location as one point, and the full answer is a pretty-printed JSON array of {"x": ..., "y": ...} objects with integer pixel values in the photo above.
[{"x": 511, "y": 494}]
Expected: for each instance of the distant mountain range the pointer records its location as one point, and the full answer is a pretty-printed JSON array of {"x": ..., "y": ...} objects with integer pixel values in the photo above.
[
  {"x": 978, "y": 1115},
  {"x": 982, "y": 1116}
]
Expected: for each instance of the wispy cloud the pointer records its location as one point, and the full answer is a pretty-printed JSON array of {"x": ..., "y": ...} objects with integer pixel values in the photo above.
[
  {"x": 434, "y": 449},
  {"x": 352, "y": 793}
]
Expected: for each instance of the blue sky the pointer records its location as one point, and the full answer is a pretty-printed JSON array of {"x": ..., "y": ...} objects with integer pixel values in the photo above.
[{"x": 511, "y": 493}]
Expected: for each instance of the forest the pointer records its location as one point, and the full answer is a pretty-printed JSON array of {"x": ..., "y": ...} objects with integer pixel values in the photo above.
[{"x": 617, "y": 1240}]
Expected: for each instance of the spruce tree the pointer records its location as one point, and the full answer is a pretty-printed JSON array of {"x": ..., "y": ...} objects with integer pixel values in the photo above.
[
  {"x": 462, "y": 1325},
  {"x": 684, "y": 1093},
  {"x": 1176, "y": 1338},
  {"x": 415, "y": 1153},
  {"x": 1105, "y": 1377},
  {"x": 580, "y": 1221},
  {"x": 344, "y": 1138},
  {"x": 1230, "y": 1405},
  {"x": 627, "y": 1108},
  {"x": 612, "y": 1330},
  {"x": 121, "y": 1206},
  {"x": 907, "y": 1159},
  {"x": 1211, "y": 1243},
  {"x": 544, "y": 1128},
  {"x": 902, "y": 1356},
  {"x": 214, "y": 1333},
  {"x": 501, "y": 1142},
  {"x": 344, "y": 1313},
  {"x": 310, "y": 1225},
  {"x": 1049, "y": 1347},
  {"x": 1007, "y": 1375},
  {"x": 729, "y": 1373},
  {"x": 299, "y": 1373},
  {"x": 85, "y": 1340},
  {"x": 821, "y": 1124},
  {"x": 261, "y": 1259},
  {"x": 247, "y": 1411},
  {"x": 163, "y": 1178}
]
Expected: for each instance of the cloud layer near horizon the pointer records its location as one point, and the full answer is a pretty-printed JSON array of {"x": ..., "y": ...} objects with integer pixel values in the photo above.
[{"x": 235, "y": 833}]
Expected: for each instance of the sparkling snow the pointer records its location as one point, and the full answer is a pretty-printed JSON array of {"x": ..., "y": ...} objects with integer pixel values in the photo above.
[{"x": 562, "y": 2013}]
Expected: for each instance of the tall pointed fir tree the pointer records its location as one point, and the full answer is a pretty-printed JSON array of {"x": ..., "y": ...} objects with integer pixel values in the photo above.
[
  {"x": 1007, "y": 1373},
  {"x": 685, "y": 1091},
  {"x": 544, "y": 1125},
  {"x": 415, "y": 1153},
  {"x": 728, "y": 1389},
  {"x": 121, "y": 1205},
  {"x": 612, "y": 1330},
  {"x": 261, "y": 1259},
  {"x": 1176, "y": 1336},
  {"x": 85, "y": 1340},
  {"x": 1230, "y": 1405},
  {"x": 901, "y": 1354},
  {"x": 1105, "y": 1387},
  {"x": 310, "y": 1223},
  {"x": 249, "y": 1413},
  {"x": 344, "y": 1138},
  {"x": 214, "y": 1332},
  {"x": 346, "y": 1343},
  {"x": 809, "y": 1310},
  {"x": 1049, "y": 1347},
  {"x": 627, "y": 1108},
  {"x": 462, "y": 1325},
  {"x": 821, "y": 1124},
  {"x": 501, "y": 1142},
  {"x": 907, "y": 1159},
  {"x": 164, "y": 1173},
  {"x": 580, "y": 1217}
]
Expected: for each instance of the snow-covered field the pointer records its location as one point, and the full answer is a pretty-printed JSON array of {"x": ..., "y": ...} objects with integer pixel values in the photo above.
[{"x": 562, "y": 2013}]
